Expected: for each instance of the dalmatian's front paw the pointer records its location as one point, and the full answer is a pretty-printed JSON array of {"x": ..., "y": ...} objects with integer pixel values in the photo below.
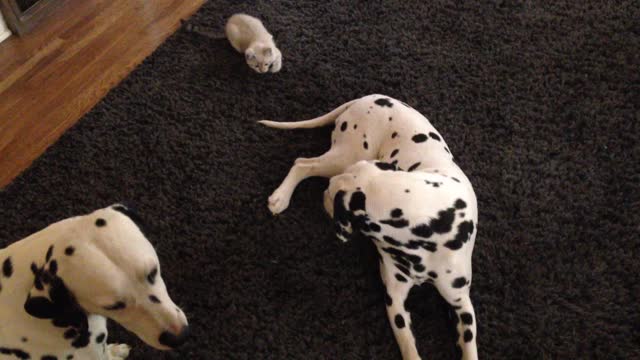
[
  {"x": 118, "y": 351},
  {"x": 328, "y": 203},
  {"x": 279, "y": 201}
]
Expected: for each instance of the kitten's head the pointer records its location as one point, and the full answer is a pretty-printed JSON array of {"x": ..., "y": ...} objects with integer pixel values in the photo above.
[{"x": 261, "y": 57}]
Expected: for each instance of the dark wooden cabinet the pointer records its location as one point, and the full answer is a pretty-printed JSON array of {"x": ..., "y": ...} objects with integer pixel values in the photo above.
[{"x": 24, "y": 15}]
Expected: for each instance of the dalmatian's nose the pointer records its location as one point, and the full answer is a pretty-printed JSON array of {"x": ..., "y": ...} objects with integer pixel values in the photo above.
[{"x": 174, "y": 340}]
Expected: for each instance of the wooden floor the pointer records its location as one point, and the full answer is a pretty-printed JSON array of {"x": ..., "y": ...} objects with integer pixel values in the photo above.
[{"x": 53, "y": 76}]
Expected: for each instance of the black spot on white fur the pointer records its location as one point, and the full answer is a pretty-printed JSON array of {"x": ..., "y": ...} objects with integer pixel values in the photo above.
[
  {"x": 383, "y": 103},
  {"x": 434, "y": 136},
  {"x": 422, "y": 230},
  {"x": 465, "y": 229},
  {"x": 396, "y": 223},
  {"x": 419, "y": 138},
  {"x": 19, "y": 353},
  {"x": 468, "y": 335},
  {"x": 49, "y": 254},
  {"x": 7, "y": 267},
  {"x": 459, "y": 282},
  {"x": 385, "y": 166},
  {"x": 435, "y": 184},
  {"x": 399, "y": 320},
  {"x": 100, "y": 338},
  {"x": 442, "y": 224},
  {"x": 413, "y": 167},
  {"x": 401, "y": 278}
]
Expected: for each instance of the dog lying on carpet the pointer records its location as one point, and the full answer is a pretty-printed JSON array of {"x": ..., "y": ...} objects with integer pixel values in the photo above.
[
  {"x": 59, "y": 286},
  {"x": 394, "y": 180}
]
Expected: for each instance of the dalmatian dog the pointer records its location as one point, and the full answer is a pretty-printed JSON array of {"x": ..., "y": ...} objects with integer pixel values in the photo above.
[
  {"x": 58, "y": 286},
  {"x": 393, "y": 180}
]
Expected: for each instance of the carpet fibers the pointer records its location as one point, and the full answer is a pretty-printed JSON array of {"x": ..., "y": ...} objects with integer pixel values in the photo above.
[{"x": 538, "y": 102}]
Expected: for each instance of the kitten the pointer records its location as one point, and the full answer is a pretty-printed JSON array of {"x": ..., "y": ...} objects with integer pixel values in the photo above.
[{"x": 247, "y": 35}]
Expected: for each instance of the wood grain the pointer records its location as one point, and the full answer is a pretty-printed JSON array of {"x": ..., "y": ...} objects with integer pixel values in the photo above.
[{"x": 51, "y": 77}]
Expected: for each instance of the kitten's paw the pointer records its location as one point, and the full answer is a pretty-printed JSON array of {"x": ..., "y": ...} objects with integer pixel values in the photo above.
[
  {"x": 118, "y": 351},
  {"x": 276, "y": 66},
  {"x": 279, "y": 201}
]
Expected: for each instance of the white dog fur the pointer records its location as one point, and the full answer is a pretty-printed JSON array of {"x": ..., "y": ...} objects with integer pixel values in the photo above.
[
  {"x": 393, "y": 179},
  {"x": 59, "y": 286}
]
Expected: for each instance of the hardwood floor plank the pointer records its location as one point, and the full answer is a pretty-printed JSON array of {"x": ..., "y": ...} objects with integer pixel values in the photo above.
[{"x": 52, "y": 77}]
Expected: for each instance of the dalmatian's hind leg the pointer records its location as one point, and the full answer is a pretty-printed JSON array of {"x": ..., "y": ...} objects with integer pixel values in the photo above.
[
  {"x": 397, "y": 288},
  {"x": 118, "y": 351},
  {"x": 465, "y": 318},
  {"x": 329, "y": 164}
]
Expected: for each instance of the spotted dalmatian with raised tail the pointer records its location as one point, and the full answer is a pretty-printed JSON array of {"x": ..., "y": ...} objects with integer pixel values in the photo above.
[
  {"x": 59, "y": 286},
  {"x": 393, "y": 179}
]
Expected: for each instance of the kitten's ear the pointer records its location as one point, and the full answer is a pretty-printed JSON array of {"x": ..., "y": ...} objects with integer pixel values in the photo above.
[
  {"x": 267, "y": 52},
  {"x": 249, "y": 54}
]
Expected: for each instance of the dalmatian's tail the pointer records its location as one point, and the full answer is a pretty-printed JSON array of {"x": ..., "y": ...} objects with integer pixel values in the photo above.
[{"x": 323, "y": 120}]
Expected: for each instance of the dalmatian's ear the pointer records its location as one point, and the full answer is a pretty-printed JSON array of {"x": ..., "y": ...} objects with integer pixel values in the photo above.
[
  {"x": 267, "y": 52},
  {"x": 130, "y": 212}
]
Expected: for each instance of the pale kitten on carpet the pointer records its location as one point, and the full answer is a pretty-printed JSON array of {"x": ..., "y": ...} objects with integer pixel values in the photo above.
[{"x": 247, "y": 35}]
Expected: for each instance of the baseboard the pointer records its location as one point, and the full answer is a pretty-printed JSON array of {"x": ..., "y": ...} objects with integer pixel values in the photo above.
[{"x": 4, "y": 30}]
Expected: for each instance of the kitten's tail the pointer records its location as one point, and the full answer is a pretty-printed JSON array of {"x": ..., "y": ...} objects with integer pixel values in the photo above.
[
  {"x": 323, "y": 120},
  {"x": 196, "y": 29}
]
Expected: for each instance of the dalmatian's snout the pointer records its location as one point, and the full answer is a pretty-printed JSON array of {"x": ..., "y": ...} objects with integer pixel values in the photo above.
[{"x": 173, "y": 339}]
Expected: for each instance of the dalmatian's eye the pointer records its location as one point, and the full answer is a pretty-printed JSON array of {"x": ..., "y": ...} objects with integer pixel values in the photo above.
[
  {"x": 119, "y": 305},
  {"x": 151, "y": 276}
]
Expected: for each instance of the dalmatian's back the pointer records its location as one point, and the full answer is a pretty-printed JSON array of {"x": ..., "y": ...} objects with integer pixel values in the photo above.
[{"x": 386, "y": 129}]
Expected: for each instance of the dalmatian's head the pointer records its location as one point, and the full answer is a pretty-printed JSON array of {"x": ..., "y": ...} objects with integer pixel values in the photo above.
[
  {"x": 351, "y": 180},
  {"x": 346, "y": 202},
  {"x": 103, "y": 264}
]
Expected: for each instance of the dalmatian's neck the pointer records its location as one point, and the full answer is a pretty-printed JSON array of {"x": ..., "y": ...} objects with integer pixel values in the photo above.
[{"x": 22, "y": 265}]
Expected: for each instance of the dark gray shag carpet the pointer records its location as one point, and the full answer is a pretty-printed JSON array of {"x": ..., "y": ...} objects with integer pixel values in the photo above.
[{"x": 538, "y": 102}]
